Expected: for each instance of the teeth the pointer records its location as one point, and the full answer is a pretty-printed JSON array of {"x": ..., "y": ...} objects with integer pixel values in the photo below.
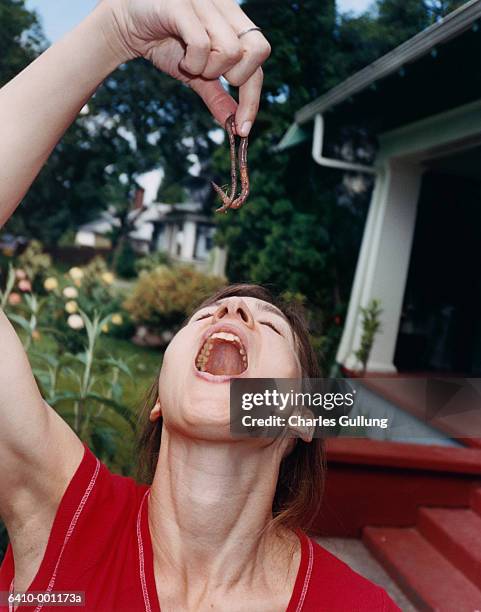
[
  {"x": 226, "y": 336},
  {"x": 206, "y": 349}
]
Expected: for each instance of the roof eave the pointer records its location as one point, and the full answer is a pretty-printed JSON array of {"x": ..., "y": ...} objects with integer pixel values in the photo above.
[{"x": 436, "y": 34}]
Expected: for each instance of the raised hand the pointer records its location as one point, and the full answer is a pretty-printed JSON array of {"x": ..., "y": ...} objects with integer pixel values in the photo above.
[{"x": 196, "y": 42}]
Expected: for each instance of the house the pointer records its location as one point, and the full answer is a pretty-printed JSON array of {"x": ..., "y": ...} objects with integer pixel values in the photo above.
[
  {"x": 181, "y": 231},
  {"x": 96, "y": 234},
  {"x": 419, "y": 254},
  {"x": 414, "y": 504}
]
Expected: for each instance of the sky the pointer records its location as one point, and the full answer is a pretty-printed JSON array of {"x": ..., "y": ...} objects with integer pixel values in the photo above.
[{"x": 60, "y": 17}]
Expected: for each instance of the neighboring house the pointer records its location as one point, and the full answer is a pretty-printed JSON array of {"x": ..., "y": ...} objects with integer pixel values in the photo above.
[
  {"x": 181, "y": 231},
  {"x": 420, "y": 252},
  {"x": 96, "y": 234},
  {"x": 416, "y": 506}
]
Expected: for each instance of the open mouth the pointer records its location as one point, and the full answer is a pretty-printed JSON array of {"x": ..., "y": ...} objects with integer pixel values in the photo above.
[{"x": 222, "y": 354}]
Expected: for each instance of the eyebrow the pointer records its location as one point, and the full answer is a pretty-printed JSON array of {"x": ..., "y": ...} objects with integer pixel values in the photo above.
[{"x": 266, "y": 307}]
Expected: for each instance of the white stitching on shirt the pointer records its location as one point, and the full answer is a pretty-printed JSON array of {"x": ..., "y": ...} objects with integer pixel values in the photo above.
[
  {"x": 307, "y": 578},
  {"x": 143, "y": 582},
  {"x": 71, "y": 528}
]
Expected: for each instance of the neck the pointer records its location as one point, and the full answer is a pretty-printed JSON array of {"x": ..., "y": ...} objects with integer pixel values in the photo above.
[{"x": 210, "y": 509}]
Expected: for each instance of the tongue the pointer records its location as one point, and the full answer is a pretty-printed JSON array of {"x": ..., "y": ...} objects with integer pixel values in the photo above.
[{"x": 224, "y": 359}]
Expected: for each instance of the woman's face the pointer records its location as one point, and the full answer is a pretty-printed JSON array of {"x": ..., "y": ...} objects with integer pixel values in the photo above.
[{"x": 234, "y": 338}]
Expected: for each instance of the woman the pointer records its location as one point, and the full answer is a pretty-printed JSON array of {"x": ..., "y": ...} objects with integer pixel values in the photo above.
[{"x": 217, "y": 528}]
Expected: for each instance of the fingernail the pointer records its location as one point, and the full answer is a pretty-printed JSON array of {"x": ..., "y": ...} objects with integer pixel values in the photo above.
[{"x": 246, "y": 128}]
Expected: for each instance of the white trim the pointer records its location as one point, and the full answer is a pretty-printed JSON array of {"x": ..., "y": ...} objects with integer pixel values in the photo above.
[
  {"x": 435, "y": 136},
  {"x": 451, "y": 26},
  {"x": 383, "y": 264},
  {"x": 143, "y": 581},
  {"x": 307, "y": 579},
  {"x": 70, "y": 530}
]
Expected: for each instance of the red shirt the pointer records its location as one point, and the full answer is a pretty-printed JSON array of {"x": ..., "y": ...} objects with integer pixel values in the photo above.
[{"x": 100, "y": 544}]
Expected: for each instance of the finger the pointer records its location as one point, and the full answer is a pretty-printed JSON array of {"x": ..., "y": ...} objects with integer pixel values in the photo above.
[
  {"x": 255, "y": 47},
  {"x": 215, "y": 97},
  {"x": 196, "y": 40},
  {"x": 225, "y": 46},
  {"x": 249, "y": 98},
  {"x": 255, "y": 51}
]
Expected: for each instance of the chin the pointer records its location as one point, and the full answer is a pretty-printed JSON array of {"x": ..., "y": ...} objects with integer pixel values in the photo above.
[{"x": 206, "y": 413}]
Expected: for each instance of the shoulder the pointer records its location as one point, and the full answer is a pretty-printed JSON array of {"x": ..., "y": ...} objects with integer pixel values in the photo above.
[
  {"x": 335, "y": 586},
  {"x": 98, "y": 512},
  {"x": 95, "y": 489}
]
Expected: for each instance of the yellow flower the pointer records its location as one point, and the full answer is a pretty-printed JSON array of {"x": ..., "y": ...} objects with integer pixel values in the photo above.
[
  {"x": 50, "y": 283},
  {"x": 105, "y": 328},
  {"x": 117, "y": 319},
  {"x": 71, "y": 306},
  {"x": 108, "y": 278},
  {"x": 77, "y": 282},
  {"x": 70, "y": 292},
  {"x": 36, "y": 335},
  {"x": 76, "y": 273},
  {"x": 75, "y": 321}
]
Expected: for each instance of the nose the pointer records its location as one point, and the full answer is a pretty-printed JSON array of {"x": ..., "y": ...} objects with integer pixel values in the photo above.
[{"x": 235, "y": 308}]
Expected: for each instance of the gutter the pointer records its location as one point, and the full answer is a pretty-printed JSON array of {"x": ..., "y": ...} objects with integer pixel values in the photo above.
[
  {"x": 319, "y": 158},
  {"x": 452, "y": 25}
]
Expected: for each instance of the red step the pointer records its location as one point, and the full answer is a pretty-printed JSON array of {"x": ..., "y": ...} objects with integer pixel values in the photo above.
[
  {"x": 476, "y": 500},
  {"x": 456, "y": 533},
  {"x": 427, "y": 578}
]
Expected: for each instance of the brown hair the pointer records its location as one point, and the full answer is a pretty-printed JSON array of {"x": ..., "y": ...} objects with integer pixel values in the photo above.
[{"x": 300, "y": 483}]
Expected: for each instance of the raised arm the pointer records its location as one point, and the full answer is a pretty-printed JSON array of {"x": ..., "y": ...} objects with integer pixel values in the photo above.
[
  {"x": 195, "y": 41},
  {"x": 38, "y": 455}
]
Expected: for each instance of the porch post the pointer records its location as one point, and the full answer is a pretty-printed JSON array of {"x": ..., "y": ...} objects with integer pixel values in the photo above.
[
  {"x": 188, "y": 243},
  {"x": 383, "y": 263}
]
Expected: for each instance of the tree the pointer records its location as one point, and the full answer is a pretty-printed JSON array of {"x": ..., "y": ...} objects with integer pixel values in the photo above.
[
  {"x": 313, "y": 50},
  {"x": 21, "y": 38},
  {"x": 290, "y": 233},
  {"x": 138, "y": 120},
  {"x": 440, "y": 8}
]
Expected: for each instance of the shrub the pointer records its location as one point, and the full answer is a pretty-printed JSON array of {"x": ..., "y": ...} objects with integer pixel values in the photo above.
[
  {"x": 371, "y": 325},
  {"x": 124, "y": 262},
  {"x": 164, "y": 297},
  {"x": 36, "y": 263},
  {"x": 49, "y": 306},
  {"x": 152, "y": 261}
]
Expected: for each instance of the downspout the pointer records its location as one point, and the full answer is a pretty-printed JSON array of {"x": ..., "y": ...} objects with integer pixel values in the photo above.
[{"x": 318, "y": 146}]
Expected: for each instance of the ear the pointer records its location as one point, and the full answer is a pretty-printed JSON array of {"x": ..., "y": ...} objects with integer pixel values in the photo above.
[
  {"x": 156, "y": 412},
  {"x": 303, "y": 430}
]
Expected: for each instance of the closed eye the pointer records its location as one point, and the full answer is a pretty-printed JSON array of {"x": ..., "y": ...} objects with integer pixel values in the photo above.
[
  {"x": 204, "y": 316},
  {"x": 273, "y": 327}
]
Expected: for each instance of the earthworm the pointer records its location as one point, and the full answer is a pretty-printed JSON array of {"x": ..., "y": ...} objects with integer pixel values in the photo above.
[{"x": 230, "y": 201}]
